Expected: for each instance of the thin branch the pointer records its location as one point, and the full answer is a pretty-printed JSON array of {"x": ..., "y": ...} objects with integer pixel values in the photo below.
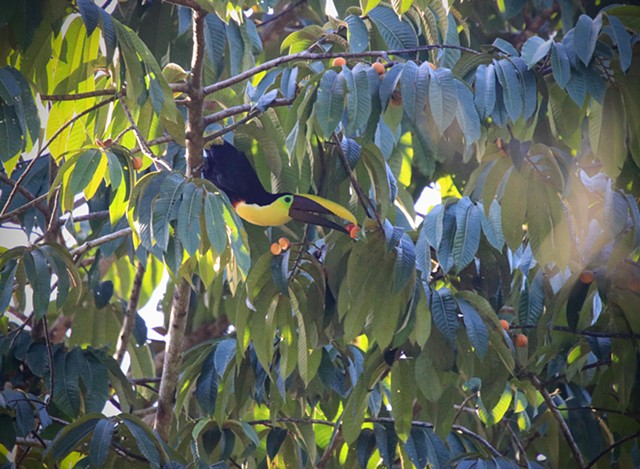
[
  {"x": 46, "y": 145},
  {"x": 185, "y": 3},
  {"x": 304, "y": 55},
  {"x": 86, "y": 217},
  {"x": 232, "y": 111},
  {"x": 364, "y": 200},
  {"x": 586, "y": 333},
  {"x": 23, "y": 208},
  {"x": 80, "y": 250},
  {"x": 231, "y": 127},
  {"x": 156, "y": 141},
  {"x": 129, "y": 322},
  {"x": 564, "y": 428},
  {"x": 77, "y": 96},
  {"x": 47, "y": 342},
  {"x": 612, "y": 447},
  {"x": 277, "y": 16},
  {"x": 144, "y": 146}
]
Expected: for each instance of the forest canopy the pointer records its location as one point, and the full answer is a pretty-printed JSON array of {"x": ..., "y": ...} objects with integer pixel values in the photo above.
[{"x": 497, "y": 327}]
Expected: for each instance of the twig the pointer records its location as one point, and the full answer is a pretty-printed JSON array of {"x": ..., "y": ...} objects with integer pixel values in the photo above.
[
  {"x": 85, "y": 217},
  {"x": 156, "y": 141},
  {"x": 144, "y": 147},
  {"x": 77, "y": 96},
  {"x": 564, "y": 428},
  {"x": 611, "y": 447},
  {"x": 364, "y": 200},
  {"x": 80, "y": 250},
  {"x": 584, "y": 332},
  {"x": 46, "y": 145},
  {"x": 129, "y": 322},
  {"x": 281, "y": 14},
  {"x": 232, "y": 111},
  {"x": 231, "y": 127},
  {"x": 185, "y": 3},
  {"x": 47, "y": 342},
  {"x": 304, "y": 55},
  {"x": 23, "y": 208}
]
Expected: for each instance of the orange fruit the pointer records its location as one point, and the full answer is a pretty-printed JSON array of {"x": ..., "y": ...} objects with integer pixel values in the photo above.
[
  {"x": 586, "y": 277},
  {"x": 284, "y": 243},
  {"x": 505, "y": 324},
  {"x": 136, "y": 162},
  {"x": 353, "y": 230},
  {"x": 276, "y": 249},
  {"x": 521, "y": 340},
  {"x": 338, "y": 62},
  {"x": 378, "y": 67}
]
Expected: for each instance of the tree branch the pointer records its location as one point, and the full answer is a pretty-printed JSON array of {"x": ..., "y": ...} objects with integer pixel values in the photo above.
[
  {"x": 129, "y": 321},
  {"x": 172, "y": 358},
  {"x": 144, "y": 146},
  {"x": 564, "y": 428},
  {"x": 305, "y": 55},
  {"x": 232, "y": 111},
  {"x": 77, "y": 96},
  {"x": 80, "y": 250},
  {"x": 611, "y": 448},
  {"x": 33, "y": 202}
]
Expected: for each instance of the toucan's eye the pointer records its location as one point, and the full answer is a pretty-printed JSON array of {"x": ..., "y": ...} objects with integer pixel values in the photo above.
[{"x": 288, "y": 199}]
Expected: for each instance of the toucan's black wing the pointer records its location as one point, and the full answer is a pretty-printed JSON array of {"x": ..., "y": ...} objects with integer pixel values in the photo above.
[{"x": 230, "y": 170}]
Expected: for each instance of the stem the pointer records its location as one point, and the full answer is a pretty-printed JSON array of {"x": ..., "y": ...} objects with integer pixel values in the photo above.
[
  {"x": 611, "y": 447},
  {"x": 80, "y": 250},
  {"x": 305, "y": 55},
  {"x": 232, "y": 111},
  {"x": 77, "y": 96},
  {"x": 173, "y": 358},
  {"x": 129, "y": 322},
  {"x": 47, "y": 342},
  {"x": 564, "y": 428},
  {"x": 23, "y": 208}
]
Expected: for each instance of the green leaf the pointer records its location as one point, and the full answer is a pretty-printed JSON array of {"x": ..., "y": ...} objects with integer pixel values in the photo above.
[
  {"x": 67, "y": 381},
  {"x": 189, "y": 218},
  {"x": 280, "y": 272},
  {"x": 302, "y": 345},
  {"x": 368, "y": 5},
  {"x": 386, "y": 441},
  {"x": 476, "y": 329},
  {"x": 445, "y": 313},
  {"x": 514, "y": 208},
  {"x": 216, "y": 41},
  {"x": 90, "y": 13},
  {"x": 611, "y": 146},
  {"x": 485, "y": 87},
  {"x": 466, "y": 114},
  {"x": 491, "y": 225},
  {"x": 206, "y": 392},
  {"x": 405, "y": 264},
  {"x": 330, "y": 102},
  {"x": 358, "y": 99},
  {"x": 511, "y": 87},
  {"x": 499, "y": 410},
  {"x": 147, "y": 442},
  {"x": 560, "y": 64},
  {"x": 396, "y": 33},
  {"x": 10, "y": 136},
  {"x": 442, "y": 97},
  {"x": 7, "y": 276},
  {"x": 84, "y": 170},
  {"x": 445, "y": 247},
  {"x": 622, "y": 39},
  {"x": 39, "y": 277},
  {"x": 402, "y": 395},
  {"x": 216, "y": 228},
  {"x": 586, "y": 36},
  {"x": 467, "y": 237},
  {"x": 101, "y": 441},
  {"x": 275, "y": 438},
  {"x": 164, "y": 209},
  {"x": 365, "y": 445},
  {"x": 357, "y": 33},
  {"x": 94, "y": 378},
  {"x": 70, "y": 437},
  {"x": 535, "y": 49},
  {"x": 531, "y": 304}
]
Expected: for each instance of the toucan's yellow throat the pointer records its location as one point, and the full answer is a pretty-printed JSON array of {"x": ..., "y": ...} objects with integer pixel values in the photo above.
[{"x": 230, "y": 171}]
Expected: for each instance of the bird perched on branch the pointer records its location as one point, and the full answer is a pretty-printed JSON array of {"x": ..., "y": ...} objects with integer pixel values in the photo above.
[{"x": 231, "y": 172}]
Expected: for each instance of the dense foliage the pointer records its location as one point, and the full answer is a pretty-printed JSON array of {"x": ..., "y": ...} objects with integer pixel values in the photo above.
[{"x": 501, "y": 329}]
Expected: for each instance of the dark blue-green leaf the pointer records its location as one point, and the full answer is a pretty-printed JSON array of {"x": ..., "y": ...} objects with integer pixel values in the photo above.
[
  {"x": 467, "y": 237},
  {"x": 586, "y": 35},
  {"x": 444, "y": 312},
  {"x": 396, "y": 33},
  {"x": 189, "y": 218},
  {"x": 330, "y": 102},
  {"x": 206, "y": 392},
  {"x": 357, "y": 34},
  {"x": 476, "y": 329},
  {"x": 101, "y": 442}
]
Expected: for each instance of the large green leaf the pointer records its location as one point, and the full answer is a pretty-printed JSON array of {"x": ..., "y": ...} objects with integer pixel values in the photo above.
[
  {"x": 397, "y": 34},
  {"x": 39, "y": 276},
  {"x": 611, "y": 147},
  {"x": 442, "y": 97},
  {"x": 330, "y": 102},
  {"x": 357, "y": 33},
  {"x": 358, "y": 99},
  {"x": 189, "y": 218},
  {"x": 586, "y": 36},
  {"x": 476, "y": 329},
  {"x": 402, "y": 396},
  {"x": 511, "y": 86},
  {"x": 485, "y": 88},
  {"x": 101, "y": 441},
  {"x": 445, "y": 313},
  {"x": 467, "y": 237},
  {"x": 70, "y": 437}
]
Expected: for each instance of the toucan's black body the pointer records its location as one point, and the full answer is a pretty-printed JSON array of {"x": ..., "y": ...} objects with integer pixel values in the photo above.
[{"x": 231, "y": 171}]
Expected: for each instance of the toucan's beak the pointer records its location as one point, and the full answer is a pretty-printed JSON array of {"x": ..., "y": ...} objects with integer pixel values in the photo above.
[{"x": 308, "y": 209}]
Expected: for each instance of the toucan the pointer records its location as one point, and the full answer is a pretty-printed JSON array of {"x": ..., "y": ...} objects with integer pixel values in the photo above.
[{"x": 230, "y": 171}]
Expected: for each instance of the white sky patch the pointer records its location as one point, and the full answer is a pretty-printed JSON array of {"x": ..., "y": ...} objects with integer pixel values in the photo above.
[{"x": 429, "y": 197}]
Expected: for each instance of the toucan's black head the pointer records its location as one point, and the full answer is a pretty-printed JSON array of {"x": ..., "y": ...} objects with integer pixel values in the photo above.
[{"x": 231, "y": 172}]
